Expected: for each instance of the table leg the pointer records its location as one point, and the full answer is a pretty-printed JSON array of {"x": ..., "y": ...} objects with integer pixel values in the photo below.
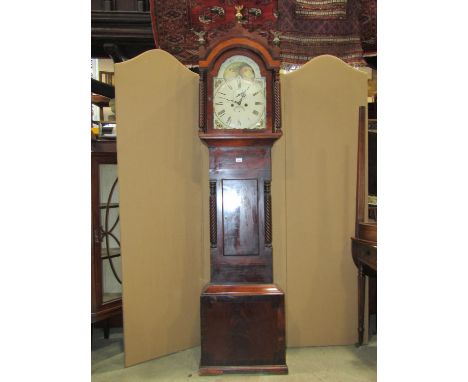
[
  {"x": 106, "y": 328},
  {"x": 361, "y": 300}
]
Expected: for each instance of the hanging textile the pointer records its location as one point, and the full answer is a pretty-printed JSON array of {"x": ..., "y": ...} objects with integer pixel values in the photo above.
[{"x": 307, "y": 28}]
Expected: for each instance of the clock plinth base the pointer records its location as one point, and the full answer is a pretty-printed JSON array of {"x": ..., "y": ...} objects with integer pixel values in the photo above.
[
  {"x": 256, "y": 369},
  {"x": 242, "y": 329}
]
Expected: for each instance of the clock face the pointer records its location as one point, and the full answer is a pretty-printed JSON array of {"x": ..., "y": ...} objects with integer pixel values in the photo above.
[{"x": 239, "y": 97}]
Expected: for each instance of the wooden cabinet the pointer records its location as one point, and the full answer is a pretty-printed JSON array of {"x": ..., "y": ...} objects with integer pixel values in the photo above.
[
  {"x": 106, "y": 275},
  {"x": 120, "y": 29},
  {"x": 120, "y": 5}
]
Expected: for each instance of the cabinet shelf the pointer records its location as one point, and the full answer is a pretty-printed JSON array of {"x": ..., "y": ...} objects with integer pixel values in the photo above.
[{"x": 99, "y": 100}]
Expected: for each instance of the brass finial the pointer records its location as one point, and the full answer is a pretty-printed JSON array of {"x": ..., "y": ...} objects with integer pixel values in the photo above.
[
  {"x": 276, "y": 37},
  {"x": 201, "y": 37},
  {"x": 239, "y": 16}
]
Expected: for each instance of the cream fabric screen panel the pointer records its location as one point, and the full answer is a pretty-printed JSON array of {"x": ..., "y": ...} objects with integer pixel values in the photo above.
[
  {"x": 320, "y": 125},
  {"x": 160, "y": 178}
]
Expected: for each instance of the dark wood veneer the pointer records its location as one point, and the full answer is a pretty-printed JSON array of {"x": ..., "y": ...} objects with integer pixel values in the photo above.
[
  {"x": 242, "y": 312},
  {"x": 243, "y": 329},
  {"x": 255, "y": 170}
]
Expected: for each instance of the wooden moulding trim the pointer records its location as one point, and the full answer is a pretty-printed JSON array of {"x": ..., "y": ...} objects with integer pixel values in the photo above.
[
  {"x": 238, "y": 141},
  {"x": 267, "y": 212},
  {"x": 219, "y": 370},
  {"x": 103, "y": 314},
  {"x": 367, "y": 231},
  {"x": 213, "y": 215},
  {"x": 360, "y": 177},
  {"x": 125, "y": 33},
  {"x": 121, "y": 17},
  {"x": 365, "y": 242},
  {"x": 234, "y": 43},
  {"x": 240, "y": 136},
  {"x": 242, "y": 289},
  {"x": 100, "y": 147}
]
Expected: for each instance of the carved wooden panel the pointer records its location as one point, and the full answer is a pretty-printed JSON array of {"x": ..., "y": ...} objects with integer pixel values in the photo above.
[
  {"x": 240, "y": 217},
  {"x": 202, "y": 104},
  {"x": 276, "y": 102},
  {"x": 267, "y": 199},
  {"x": 213, "y": 212}
]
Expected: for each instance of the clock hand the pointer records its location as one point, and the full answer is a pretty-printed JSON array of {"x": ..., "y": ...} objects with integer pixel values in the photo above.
[
  {"x": 242, "y": 98},
  {"x": 243, "y": 94},
  {"x": 230, "y": 100}
]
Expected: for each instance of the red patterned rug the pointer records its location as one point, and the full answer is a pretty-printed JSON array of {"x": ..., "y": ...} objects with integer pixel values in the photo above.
[
  {"x": 321, "y": 9},
  {"x": 368, "y": 21},
  {"x": 305, "y": 38},
  {"x": 307, "y": 28}
]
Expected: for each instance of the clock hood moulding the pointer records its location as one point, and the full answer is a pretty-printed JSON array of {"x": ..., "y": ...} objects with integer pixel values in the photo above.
[
  {"x": 238, "y": 37},
  {"x": 242, "y": 121}
]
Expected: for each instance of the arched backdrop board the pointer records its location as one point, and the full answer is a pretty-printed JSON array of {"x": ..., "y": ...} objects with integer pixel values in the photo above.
[
  {"x": 160, "y": 167},
  {"x": 314, "y": 188},
  {"x": 163, "y": 178}
]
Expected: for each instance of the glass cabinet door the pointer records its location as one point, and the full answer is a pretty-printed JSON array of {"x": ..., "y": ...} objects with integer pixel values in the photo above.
[{"x": 109, "y": 233}]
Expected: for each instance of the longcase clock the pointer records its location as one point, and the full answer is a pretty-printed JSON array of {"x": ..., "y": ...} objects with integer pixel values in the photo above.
[{"x": 242, "y": 311}]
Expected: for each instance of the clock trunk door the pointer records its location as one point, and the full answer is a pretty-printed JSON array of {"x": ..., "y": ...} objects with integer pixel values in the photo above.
[{"x": 239, "y": 178}]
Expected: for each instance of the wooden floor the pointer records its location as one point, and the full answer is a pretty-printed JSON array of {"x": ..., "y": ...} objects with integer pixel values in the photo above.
[{"x": 313, "y": 364}]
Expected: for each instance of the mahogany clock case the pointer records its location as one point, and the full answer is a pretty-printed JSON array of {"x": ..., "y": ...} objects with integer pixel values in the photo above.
[{"x": 242, "y": 312}]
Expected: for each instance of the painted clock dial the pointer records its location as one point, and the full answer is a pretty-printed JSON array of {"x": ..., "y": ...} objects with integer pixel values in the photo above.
[{"x": 239, "y": 97}]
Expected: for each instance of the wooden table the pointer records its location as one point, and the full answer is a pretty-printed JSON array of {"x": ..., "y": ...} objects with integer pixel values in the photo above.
[
  {"x": 364, "y": 251},
  {"x": 364, "y": 242}
]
